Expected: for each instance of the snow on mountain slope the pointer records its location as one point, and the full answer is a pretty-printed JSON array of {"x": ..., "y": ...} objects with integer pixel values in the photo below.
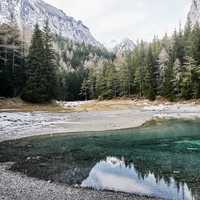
[
  {"x": 125, "y": 47},
  {"x": 29, "y": 12},
  {"x": 194, "y": 13}
]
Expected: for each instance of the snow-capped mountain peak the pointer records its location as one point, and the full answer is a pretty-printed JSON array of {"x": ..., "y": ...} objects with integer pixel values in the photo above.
[
  {"x": 124, "y": 47},
  {"x": 26, "y": 13}
]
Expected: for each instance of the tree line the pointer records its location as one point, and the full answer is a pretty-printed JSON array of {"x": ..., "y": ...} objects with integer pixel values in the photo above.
[
  {"x": 50, "y": 68},
  {"x": 169, "y": 68}
]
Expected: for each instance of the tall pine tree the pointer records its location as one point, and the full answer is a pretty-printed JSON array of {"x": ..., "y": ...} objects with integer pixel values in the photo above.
[
  {"x": 36, "y": 87},
  {"x": 49, "y": 62},
  {"x": 150, "y": 76}
]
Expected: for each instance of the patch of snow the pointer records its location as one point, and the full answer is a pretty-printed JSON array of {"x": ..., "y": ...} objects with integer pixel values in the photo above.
[{"x": 73, "y": 104}]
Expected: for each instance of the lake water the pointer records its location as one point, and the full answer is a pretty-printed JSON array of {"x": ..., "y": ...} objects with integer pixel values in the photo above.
[{"x": 161, "y": 159}]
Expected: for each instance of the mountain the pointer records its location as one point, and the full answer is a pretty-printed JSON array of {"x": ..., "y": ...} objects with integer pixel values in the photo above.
[
  {"x": 26, "y": 13},
  {"x": 111, "y": 44},
  {"x": 194, "y": 13},
  {"x": 124, "y": 48}
]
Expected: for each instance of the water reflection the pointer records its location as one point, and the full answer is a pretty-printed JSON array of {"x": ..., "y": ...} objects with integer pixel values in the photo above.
[
  {"x": 114, "y": 174},
  {"x": 161, "y": 160}
]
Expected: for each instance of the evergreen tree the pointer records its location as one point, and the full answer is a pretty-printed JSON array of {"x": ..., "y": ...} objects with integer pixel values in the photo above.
[
  {"x": 187, "y": 78},
  {"x": 91, "y": 81},
  {"x": 12, "y": 75},
  {"x": 101, "y": 86},
  {"x": 178, "y": 46},
  {"x": 168, "y": 83},
  {"x": 49, "y": 62},
  {"x": 112, "y": 81},
  {"x": 150, "y": 78},
  {"x": 85, "y": 89},
  {"x": 196, "y": 43},
  {"x": 188, "y": 38},
  {"x": 196, "y": 82},
  {"x": 36, "y": 87},
  {"x": 176, "y": 78},
  {"x": 163, "y": 63},
  {"x": 125, "y": 80},
  {"x": 139, "y": 80}
]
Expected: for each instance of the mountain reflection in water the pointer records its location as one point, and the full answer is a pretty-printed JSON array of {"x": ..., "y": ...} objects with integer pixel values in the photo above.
[{"x": 114, "y": 174}]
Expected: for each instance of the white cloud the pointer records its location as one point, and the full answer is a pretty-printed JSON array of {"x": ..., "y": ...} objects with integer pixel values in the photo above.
[{"x": 117, "y": 19}]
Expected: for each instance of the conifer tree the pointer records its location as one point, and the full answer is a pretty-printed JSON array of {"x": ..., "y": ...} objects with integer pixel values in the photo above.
[
  {"x": 196, "y": 82},
  {"x": 12, "y": 75},
  {"x": 139, "y": 80},
  {"x": 85, "y": 89},
  {"x": 101, "y": 86},
  {"x": 36, "y": 87},
  {"x": 178, "y": 46},
  {"x": 188, "y": 38},
  {"x": 150, "y": 79},
  {"x": 163, "y": 62},
  {"x": 176, "y": 78},
  {"x": 112, "y": 81},
  {"x": 168, "y": 83},
  {"x": 196, "y": 43},
  {"x": 187, "y": 78},
  {"x": 49, "y": 62}
]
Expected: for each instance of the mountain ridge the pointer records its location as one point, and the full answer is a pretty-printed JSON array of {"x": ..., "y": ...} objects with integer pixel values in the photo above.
[
  {"x": 194, "y": 12},
  {"x": 26, "y": 13}
]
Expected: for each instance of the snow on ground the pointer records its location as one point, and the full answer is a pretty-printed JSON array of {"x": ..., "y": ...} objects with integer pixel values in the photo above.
[
  {"x": 12, "y": 123},
  {"x": 23, "y": 124},
  {"x": 174, "y": 108},
  {"x": 73, "y": 104}
]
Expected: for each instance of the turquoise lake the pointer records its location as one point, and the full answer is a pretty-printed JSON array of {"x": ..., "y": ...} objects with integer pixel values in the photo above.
[{"x": 161, "y": 159}]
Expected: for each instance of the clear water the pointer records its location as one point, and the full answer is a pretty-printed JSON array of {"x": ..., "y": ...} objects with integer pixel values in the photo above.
[{"x": 161, "y": 159}]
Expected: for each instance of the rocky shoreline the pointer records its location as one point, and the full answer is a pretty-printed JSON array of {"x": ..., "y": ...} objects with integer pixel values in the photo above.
[{"x": 14, "y": 186}]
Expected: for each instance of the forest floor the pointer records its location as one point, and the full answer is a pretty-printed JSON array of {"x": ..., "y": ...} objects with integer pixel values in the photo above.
[{"x": 19, "y": 119}]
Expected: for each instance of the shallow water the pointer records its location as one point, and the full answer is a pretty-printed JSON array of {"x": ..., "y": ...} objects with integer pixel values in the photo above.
[{"x": 161, "y": 159}]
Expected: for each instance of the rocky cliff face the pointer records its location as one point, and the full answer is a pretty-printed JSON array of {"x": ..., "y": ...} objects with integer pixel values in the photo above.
[
  {"x": 26, "y": 13},
  {"x": 194, "y": 13}
]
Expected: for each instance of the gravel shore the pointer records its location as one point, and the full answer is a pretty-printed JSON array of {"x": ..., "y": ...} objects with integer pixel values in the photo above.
[
  {"x": 14, "y": 125},
  {"x": 14, "y": 186}
]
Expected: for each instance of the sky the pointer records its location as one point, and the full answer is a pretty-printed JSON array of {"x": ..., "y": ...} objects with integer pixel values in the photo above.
[{"x": 114, "y": 20}]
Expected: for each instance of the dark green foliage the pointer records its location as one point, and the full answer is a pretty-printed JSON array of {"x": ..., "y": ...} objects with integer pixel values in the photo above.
[
  {"x": 73, "y": 84},
  {"x": 57, "y": 68},
  {"x": 150, "y": 77},
  {"x": 41, "y": 70},
  {"x": 169, "y": 68},
  {"x": 36, "y": 85},
  {"x": 41, "y": 81},
  {"x": 12, "y": 60},
  {"x": 190, "y": 79},
  {"x": 49, "y": 63},
  {"x": 196, "y": 43}
]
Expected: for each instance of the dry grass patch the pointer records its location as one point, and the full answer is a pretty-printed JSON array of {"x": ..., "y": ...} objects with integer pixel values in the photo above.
[{"x": 16, "y": 104}]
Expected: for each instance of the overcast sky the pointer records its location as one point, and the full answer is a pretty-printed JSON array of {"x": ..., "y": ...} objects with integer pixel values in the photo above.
[{"x": 117, "y": 19}]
